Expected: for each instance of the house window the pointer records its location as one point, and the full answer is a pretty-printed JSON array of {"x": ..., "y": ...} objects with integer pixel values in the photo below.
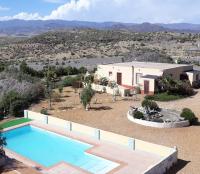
[
  {"x": 110, "y": 73},
  {"x": 138, "y": 76}
]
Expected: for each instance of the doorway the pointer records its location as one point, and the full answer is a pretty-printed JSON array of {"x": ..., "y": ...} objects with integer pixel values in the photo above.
[
  {"x": 119, "y": 78},
  {"x": 146, "y": 87}
]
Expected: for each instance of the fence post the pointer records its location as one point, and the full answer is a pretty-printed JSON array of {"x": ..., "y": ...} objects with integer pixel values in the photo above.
[
  {"x": 25, "y": 114},
  {"x": 97, "y": 134},
  {"x": 46, "y": 119},
  {"x": 131, "y": 143},
  {"x": 69, "y": 125}
]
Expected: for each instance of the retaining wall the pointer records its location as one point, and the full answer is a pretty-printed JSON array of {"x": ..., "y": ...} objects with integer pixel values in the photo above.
[
  {"x": 158, "y": 125},
  {"x": 122, "y": 91}
]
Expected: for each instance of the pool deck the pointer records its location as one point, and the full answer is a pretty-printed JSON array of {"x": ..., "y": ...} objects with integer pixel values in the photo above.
[{"x": 134, "y": 162}]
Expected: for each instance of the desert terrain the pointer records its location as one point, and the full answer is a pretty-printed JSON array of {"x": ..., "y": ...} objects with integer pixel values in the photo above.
[{"x": 77, "y": 47}]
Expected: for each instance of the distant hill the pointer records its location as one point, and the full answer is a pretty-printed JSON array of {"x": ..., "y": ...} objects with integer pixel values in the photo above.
[
  {"x": 32, "y": 27},
  {"x": 182, "y": 27}
]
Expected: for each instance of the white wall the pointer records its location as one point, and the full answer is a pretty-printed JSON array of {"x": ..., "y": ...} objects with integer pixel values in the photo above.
[
  {"x": 127, "y": 73},
  {"x": 184, "y": 123},
  {"x": 146, "y": 71}
]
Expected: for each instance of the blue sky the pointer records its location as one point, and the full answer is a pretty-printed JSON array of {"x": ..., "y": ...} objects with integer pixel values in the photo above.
[{"x": 135, "y": 11}]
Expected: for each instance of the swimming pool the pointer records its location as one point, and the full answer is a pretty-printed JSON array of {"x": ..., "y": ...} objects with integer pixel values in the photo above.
[{"x": 47, "y": 149}]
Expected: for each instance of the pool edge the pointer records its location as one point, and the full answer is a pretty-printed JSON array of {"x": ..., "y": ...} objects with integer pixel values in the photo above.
[{"x": 40, "y": 167}]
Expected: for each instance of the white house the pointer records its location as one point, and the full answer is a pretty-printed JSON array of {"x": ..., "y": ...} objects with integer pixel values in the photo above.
[{"x": 144, "y": 74}]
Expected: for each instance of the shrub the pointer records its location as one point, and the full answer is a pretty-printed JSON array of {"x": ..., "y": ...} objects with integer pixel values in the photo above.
[
  {"x": 138, "y": 90},
  {"x": 2, "y": 144},
  {"x": 89, "y": 79},
  {"x": 150, "y": 105},
  {"x": 17, "y": 108},
  {"x": 60, "y": 88},
  {"x": 103, "y": 81},
  {"x": 86, "y": 96},
  {"x": 82, "y": 70},
  {"x": 174, "y": 87},
  {"x": 138, "y": 115},
  {"x": 69, "y": 81},
  {"x": 44, "y": 111},
  {"x": 112, "y": 84},
  {"x": 187, "y": 114},
  {"x": 18, "y": 91},
  {"x": 196, "y": 85}
]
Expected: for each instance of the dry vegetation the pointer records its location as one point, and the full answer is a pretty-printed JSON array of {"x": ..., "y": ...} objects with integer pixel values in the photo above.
[{"x": 64, "y": 45}]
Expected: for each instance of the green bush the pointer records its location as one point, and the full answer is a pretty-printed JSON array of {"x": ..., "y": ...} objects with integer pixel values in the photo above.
[
  {"x": 150, "y": 105},
  {"x": 187, "y": 114},
  {"x": 174, "y": 87},
  {"x": 82, "y": 70},
  {"x": 86, "y": 95},
  {"x": 164, "y": 97},
  {"x": 138, "y": 115},
  {"x": 44, "y": 111},
  {"x": 69, "y": 81},
  {"x": 103, "y": 81},
  {"x": 17, "y": 108}
]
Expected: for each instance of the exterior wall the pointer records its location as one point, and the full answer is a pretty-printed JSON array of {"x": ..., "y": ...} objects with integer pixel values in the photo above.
[
  {"x": 165, "y": 164},
  {"x": 192, "y": 76},
  {"x": 146, "y": 71},
  {"x": 127, "y": 73},
  {"x": 176, "y": 72}
]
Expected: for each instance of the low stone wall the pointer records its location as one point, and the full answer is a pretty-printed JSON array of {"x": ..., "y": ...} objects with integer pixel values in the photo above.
[
  {"x": 122, "y": 91},
  {"x": 158, "y": 125},
  {"x": 169, "y": 154}
]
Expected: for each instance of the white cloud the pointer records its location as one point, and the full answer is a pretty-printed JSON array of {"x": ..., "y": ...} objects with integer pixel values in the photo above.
[
  {"x": 23, "y": 15},
  {"x": 4, "y": 8},
  {"x": 135, "y": 11},
  {"x": 70, "y": 9}
]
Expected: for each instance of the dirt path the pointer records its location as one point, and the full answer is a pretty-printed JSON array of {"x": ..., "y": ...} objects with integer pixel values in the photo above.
[{"x": 111, "y": 116}]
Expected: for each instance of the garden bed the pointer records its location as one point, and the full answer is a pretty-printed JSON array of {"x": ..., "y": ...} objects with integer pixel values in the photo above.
[{"x": 167, "y": 124}]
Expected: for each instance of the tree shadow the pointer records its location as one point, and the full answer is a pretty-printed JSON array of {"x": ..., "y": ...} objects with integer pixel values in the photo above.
[
  {"x": 66, "y": 108},
  {"x": 68, "y": 91},
  {"x": 58, "y": 100},
  {"x": 178, "y": 166},
  {"x": 11, "y": 164},
  {"x": 100, "y": 108},
  {"x": 65, "y": 96},
  {"x": 196, "y": 124}
]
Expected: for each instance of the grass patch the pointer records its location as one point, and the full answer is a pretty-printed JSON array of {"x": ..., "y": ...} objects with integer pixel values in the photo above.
[
  {"x": 165, "y": 97},
  {"x": 14, "y": 122}
]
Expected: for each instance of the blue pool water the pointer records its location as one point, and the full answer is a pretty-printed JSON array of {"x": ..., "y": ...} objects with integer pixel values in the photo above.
[{"x": 47, "y": 148}]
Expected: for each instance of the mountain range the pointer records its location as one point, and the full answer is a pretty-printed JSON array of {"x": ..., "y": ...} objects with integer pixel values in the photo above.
[{"x": 33, "y": 27}]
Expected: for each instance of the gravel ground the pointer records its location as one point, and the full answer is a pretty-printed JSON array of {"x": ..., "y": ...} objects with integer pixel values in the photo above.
[{"x": 111, "y": 116}]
